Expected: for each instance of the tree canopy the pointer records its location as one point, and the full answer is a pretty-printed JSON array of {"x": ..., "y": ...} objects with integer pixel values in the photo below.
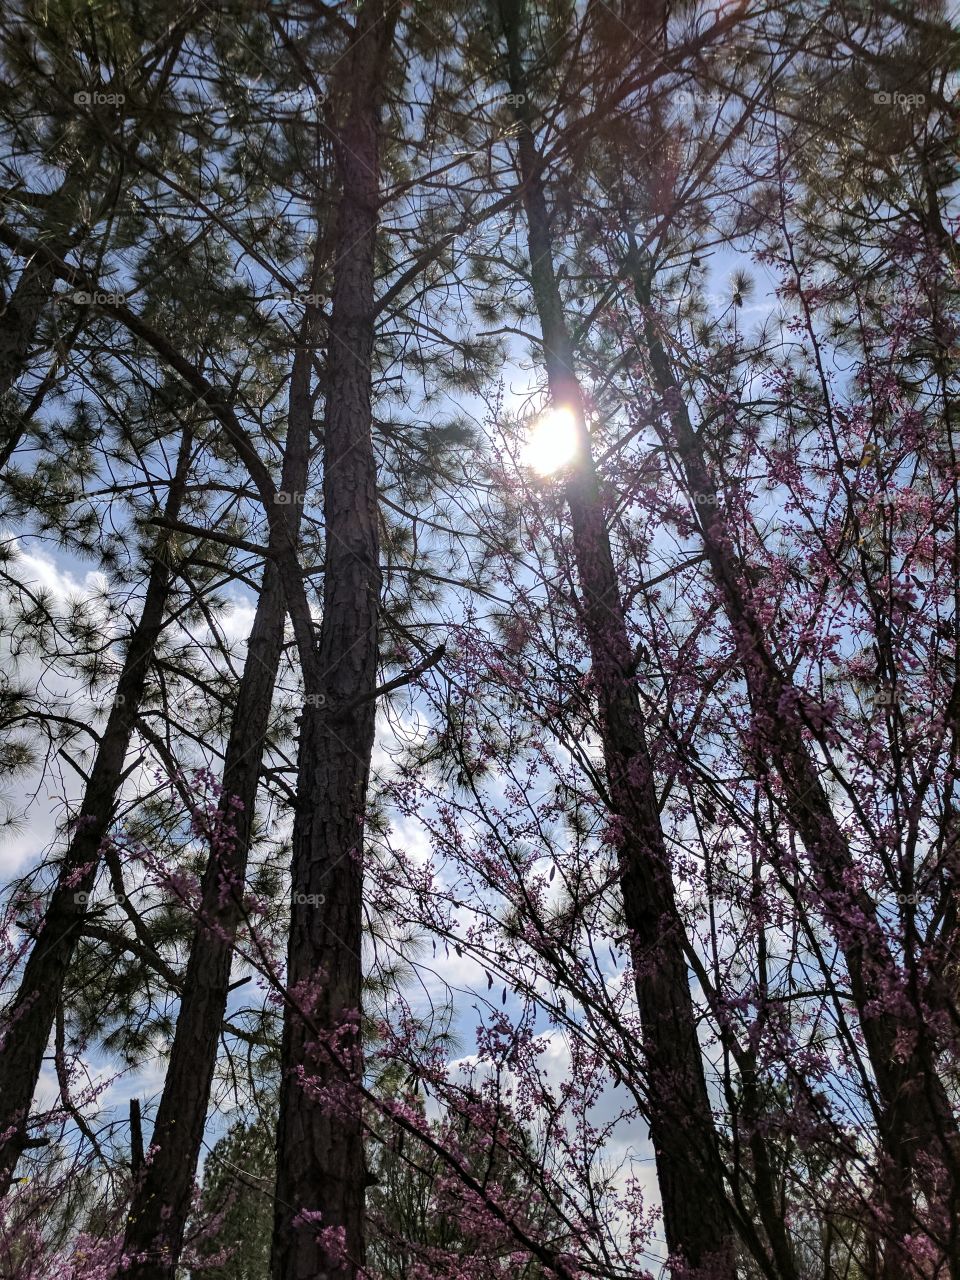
[{"x": 479, "y": 605}]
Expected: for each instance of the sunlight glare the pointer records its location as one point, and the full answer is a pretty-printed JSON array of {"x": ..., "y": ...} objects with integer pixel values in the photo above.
[{"x": 552, "y": 441}]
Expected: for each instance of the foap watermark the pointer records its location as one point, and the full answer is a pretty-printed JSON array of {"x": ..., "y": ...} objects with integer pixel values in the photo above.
[
  {"x": 96, "y": 98},
  {"x": 905, "y": 101},
  {"x": 482, "y": 97},
  {"x": 98, "y": 298},
  {"x": 301, "y": 299},
  {"x": 92, "y": 704},
  {"x": 61, "y": 493},
  {"x": 284, "y": 299},
  {"x": 85, "y": 704},
  {"x": 309, "y": 899},
  {"x": 888, "y": 698},
  {"x": 706, "y": 101},
  {"x": 283, "y": 499},
  {"x": 293, "y": 101},
  {"x": 903, "y": 500},
  {"x": 84, "y": 899}
]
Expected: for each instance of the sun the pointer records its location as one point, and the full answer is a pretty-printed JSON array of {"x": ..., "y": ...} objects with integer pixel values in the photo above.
[{"x": 552, "y": 442}]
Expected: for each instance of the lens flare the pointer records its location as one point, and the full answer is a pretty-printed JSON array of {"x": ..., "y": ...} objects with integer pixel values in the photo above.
[{"x": 552, "y": 442}]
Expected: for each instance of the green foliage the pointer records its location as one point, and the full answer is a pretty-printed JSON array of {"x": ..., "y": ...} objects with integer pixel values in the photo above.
[{"x": 237, "y": 1199}]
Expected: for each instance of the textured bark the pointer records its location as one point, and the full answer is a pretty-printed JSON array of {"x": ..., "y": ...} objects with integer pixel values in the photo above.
[
  {"x": 320, "y": 1158},
  {"x": 18, "y": 324},
  {"x": 29, "y": 1018},
  {"x": 18, "y": 327},
  {"x": 916, "y": 1114},
  {"x": 33, "y": 291},
  {"x": 161, "y": 1205},
  {"x": 695, "y": 1208}
]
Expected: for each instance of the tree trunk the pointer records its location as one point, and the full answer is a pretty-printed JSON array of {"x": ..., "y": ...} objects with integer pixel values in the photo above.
[
  {"x": 916, "y": 1114},
  {"x": 18, "y": 324},
  {"x": 695, "y": 1209},
  {"x": 29, "y": 1018},
  {"x": 33, "y": 292},
  {"x": 161, "y": 1205},
  {"x": 318, "y": 1224}
]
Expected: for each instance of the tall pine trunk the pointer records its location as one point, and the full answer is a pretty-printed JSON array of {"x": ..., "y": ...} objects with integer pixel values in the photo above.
[
  {"x": 695, "y": 1209},
  {"x": 915, "y": 1115},
  {"x": 318, "y": 1224},
  {"x": 33, "y": 291},
  {"x": 162, "y": 1200},
  {"x": 28, "y": 1019},
  {"x": 18, "y": 323}
]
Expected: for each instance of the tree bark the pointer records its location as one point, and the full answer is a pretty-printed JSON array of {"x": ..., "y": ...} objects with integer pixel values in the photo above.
[
  {"x": 18, "y": 324},
  {"x": 916, "y": 1115},
  {"x": 29, "y": 1018},
  {"x": 161, "y": 1204},
  {"x": 318, "y": 1224},
  {"x": 33, "y": 290},
  {"x": 695, "y": 1209},
  {"x": 32, "y": 293}
]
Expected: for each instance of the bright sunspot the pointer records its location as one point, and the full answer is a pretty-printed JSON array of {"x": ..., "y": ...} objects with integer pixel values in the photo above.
[{"x": 551, "y": 442}]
